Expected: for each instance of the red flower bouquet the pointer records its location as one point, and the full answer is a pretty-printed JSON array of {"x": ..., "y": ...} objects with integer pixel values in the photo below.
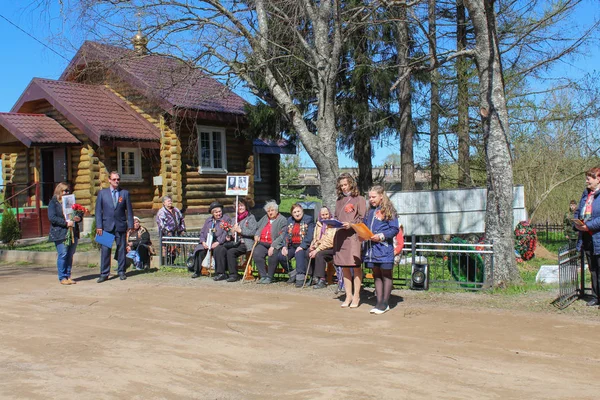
[
  {"x": 226, "y": 226},
  {"x": 78, "y": 211}
]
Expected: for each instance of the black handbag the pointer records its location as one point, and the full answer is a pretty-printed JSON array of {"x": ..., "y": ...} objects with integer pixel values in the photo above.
[{"x": 231, "y": 244}]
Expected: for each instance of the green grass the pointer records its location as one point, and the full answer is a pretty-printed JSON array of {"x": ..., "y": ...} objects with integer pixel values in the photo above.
[
  {"x": 49, "y": 246},
  {"x": 287, "y": 202}
]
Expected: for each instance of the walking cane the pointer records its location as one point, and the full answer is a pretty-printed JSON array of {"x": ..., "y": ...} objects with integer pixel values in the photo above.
[
  {"x": 307, "y": 271},
  {"x": 248, "y": 268}
]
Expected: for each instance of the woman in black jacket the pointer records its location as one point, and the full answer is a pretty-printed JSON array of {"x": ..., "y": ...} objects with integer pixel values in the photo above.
[
  {"x": 138, "y": 245},
  {"x": 297, "y": 239},
  {"x": 58, "y": 234}
]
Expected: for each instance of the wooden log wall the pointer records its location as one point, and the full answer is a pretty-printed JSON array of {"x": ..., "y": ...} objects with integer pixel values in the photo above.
[
  {"x": 267, "y": 188},
  {"x": 167, "y": 165},
  {"x": 8, "y": 162},
  {"x": 199, "y": 190},
  {"x": 170, "y": 164},
  {"x": 84, "y": 175}
]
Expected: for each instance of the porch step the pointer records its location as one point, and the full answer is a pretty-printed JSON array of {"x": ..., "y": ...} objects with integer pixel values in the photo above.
[{"x": 29, "y": 223}]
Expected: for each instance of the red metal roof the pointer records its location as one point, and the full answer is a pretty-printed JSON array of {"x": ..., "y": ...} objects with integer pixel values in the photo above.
[
  {"x": 95, "y": 110},
  {"x": 31, "y": 129},
  {"x": 175, "y": 83}
]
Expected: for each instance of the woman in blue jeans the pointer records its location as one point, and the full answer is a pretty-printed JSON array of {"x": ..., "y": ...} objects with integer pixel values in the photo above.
[{"x": 58, "y": 234}]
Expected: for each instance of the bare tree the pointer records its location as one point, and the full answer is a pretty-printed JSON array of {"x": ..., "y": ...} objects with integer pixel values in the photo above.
[
  {"x": 462, "y": 82},
  {"x": 494, "y": 118},
  {"x": 406, "y": 127},
  {"x": 266, "y": 43},
  {"x": 434, "y": 123}
]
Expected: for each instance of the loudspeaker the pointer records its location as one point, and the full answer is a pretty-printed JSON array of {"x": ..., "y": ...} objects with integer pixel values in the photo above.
[{"x": 419, "y": 277}]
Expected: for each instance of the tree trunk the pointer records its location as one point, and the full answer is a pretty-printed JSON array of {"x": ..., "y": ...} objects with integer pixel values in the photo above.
[
  {"x": 494, "y": 118},
  {"x": 362, "y": 156},
  {"x": 434, "y": 158},
  {"x": 322, "y": 148},
  {"x": 462, "y": 79},
  {"x": 406, "y": 130}
]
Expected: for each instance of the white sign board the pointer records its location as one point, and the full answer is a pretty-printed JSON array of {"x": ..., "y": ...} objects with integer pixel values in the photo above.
[
  {"x": 449, "y": 212},
  {"x": 237, "y": 185}
]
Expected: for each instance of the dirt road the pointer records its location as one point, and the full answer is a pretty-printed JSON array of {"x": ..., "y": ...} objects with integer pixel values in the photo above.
[{"x": 157, "y": 336}]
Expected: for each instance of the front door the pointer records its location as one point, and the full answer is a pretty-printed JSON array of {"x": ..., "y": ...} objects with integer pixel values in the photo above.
[{"x": 54, "y": 170}]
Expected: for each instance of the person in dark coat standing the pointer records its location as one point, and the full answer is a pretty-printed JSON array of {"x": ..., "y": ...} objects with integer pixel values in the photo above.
[
  {"x": 571, "y": 234},
  {"x": 588, "y": 242},
  {"x": 59, "y": 226},
  {"x": 114, "y": 215}
]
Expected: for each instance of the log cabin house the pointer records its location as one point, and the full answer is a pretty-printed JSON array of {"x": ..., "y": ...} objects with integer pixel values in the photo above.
[{"x": 166, "y": 127}]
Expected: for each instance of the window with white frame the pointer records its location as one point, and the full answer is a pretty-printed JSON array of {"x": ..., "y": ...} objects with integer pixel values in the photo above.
[
  {"x": 129, "y": 163},
  {"x": 211, "y": 149},
  {"x": 257, "y": 177}
]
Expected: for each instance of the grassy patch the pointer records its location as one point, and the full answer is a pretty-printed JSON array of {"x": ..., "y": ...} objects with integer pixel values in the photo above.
[
  {"x": 49, "y": 246},
  {"x": 528, "y": 271},
  {"x": 287, "y": 202}
]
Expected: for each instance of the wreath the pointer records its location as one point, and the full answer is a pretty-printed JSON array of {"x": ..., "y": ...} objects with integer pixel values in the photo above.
[
  {"x": 465, "y": 267},
  {"x": 525, "y": 241}
]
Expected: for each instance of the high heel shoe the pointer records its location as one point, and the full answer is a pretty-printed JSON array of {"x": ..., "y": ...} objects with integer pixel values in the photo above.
[
  {"x": 354, "y": 305},
  {"x": 345, "y": 305}
]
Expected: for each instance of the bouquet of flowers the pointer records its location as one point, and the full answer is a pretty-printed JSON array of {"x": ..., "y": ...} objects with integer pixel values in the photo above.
[
  {"x": 226, "y": 226},
  {"x": 525, "y": 241},
  {"x": 78, "y": 211}
]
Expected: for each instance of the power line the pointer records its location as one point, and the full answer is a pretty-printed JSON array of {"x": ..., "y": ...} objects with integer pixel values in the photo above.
[{"x": 33, "y": 37}]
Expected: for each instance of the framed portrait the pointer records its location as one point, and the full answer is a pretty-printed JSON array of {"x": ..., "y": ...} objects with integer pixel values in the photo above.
[
  {"x": 67, "y": 205},
  {"x": 237, "y": 185}
]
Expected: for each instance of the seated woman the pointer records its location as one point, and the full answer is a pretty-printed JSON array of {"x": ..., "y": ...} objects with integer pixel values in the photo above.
[
  {"x": 297, "y": 239},
  {"x": 241, "y": 241},
  {"x": 269, "y": 238},
  {"x": 138, "y": 245},
  {"x": 321, "y": 248},
  {"x": 212, "y": 236}
]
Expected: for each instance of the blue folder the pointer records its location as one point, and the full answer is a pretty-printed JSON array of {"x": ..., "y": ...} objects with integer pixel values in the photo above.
[
  {"x": 106, "y": 239},
  {"x": 334, "y": 223}
]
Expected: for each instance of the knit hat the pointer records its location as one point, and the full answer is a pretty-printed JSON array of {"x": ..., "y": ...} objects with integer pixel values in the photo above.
[{"x": 213, "y": 205}]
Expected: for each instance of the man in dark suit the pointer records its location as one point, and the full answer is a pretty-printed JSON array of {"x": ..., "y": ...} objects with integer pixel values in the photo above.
[{"x": 113, "y": 215}]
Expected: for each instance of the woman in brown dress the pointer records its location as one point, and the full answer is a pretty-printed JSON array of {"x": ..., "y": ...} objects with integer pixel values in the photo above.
[{"x": 350, "y": 208}]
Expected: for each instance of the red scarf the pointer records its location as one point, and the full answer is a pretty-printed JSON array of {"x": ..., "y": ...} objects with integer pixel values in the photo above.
[{"x": 241, "y": 216}]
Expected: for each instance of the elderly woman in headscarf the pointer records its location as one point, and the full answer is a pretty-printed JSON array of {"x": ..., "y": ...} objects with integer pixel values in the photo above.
[
  {"x": 321, "y": 248},
  {"x": 212, "y": 236},
  {"x": 269, "y": 238},
  {"x": 170, "y": 222},
  {"x": 138, "y": 244}
]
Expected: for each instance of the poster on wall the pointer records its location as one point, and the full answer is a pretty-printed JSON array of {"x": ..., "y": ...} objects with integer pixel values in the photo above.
[{"x": 237, "y": 185}]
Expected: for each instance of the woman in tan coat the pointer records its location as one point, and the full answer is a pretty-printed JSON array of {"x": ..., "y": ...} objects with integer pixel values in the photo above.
[
  {"x": 350, "y": 208},
  {"x": 321, "y": 248}
]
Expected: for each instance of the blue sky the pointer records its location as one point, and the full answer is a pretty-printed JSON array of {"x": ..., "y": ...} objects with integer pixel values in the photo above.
[{"x": 24, "y": 58}]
